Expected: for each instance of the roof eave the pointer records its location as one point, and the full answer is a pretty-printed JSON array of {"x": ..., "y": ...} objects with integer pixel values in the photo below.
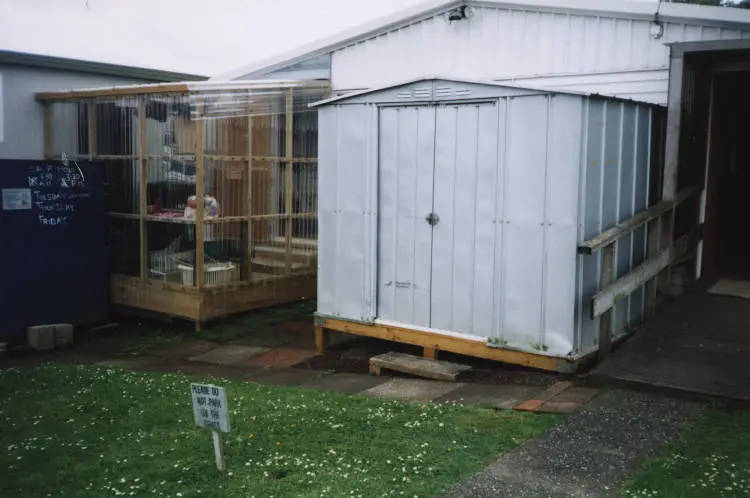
[{"x": 101, "y": 68}]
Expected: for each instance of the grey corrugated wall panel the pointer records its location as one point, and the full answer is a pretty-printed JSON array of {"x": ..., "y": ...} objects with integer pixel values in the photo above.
[
  {"x": 615, "y": 186},
  {"x": 344, "y": 211}
]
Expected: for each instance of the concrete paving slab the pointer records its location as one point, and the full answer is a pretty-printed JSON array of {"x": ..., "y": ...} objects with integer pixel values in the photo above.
[
  {"x": 412, "y": 389},
  {"x": 346, "y": 383},
  {"x": 184, "y": 349},
  {"x": 284, "y": 357},
  {"x": 494, "y": 396},
  {"x": 591, "y": 453},
  {"x": 228, "y": 354},
  {"x": 288, "y": 377},
  {"x": 187, "y": 367},
  {"x": 135, "y": 363}
]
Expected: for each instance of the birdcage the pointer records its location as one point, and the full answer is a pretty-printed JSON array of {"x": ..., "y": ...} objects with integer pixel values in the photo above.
[{"x": 211, "y": 190}]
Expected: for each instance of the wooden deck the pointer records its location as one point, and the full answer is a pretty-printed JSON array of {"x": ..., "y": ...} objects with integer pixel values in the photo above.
[{"x": 699, "y": 345}]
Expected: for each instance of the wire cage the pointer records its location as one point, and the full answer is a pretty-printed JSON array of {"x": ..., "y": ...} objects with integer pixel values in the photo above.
[{"x": 210, "y": 189}]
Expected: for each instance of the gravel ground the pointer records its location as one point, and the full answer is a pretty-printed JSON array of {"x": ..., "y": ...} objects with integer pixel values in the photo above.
[{"x": 590, "y": 454}]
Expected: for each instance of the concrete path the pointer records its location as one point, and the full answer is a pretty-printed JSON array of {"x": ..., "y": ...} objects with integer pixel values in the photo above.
[
  {"x": 589, "y": 454},
  {"x": 699, "y": 345}
]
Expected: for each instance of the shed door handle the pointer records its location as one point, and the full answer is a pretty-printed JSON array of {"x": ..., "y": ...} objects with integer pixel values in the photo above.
[{"x": 432, "y": 219}]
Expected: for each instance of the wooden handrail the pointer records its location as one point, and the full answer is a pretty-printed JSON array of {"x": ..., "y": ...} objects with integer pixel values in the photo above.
[
  {"x": 613, "y": 234},
  {"x": 606, "y": 298}
]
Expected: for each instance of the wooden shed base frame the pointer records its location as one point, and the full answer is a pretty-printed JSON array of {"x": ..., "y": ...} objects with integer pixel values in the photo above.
[
  {"x": 209, "y": 303},
  {"x": 434, "y": 343}
]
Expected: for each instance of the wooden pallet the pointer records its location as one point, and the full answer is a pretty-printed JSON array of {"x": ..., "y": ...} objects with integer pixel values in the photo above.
[{"x": 417, "y": 365}]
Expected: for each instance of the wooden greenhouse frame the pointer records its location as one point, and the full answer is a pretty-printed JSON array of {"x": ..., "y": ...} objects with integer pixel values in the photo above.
[{"x": 248, "y": 148}]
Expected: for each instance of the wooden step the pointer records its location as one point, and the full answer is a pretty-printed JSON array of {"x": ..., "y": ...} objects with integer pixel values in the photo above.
[{"x": 417, "y": 365}]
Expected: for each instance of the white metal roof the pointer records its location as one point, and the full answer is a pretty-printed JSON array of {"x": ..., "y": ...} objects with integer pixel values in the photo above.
[{"x": 667, "y": 11}]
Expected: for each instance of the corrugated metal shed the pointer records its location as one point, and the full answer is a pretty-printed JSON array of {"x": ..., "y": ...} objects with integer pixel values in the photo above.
[
  {"x": 516, "y": 179},
  {"x": 599, "y": 46}
]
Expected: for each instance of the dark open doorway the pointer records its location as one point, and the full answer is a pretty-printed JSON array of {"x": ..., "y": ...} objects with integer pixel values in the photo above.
[
  {"x": 729, "y": 161},
  {"x": 725, "y": 167}
]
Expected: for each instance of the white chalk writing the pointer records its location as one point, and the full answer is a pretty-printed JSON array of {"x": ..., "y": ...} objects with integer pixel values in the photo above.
[{"x": 55, "y": 191}]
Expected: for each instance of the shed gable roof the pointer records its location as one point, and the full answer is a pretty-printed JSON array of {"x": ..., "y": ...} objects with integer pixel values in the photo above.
[{"x": 438, "y": 88}]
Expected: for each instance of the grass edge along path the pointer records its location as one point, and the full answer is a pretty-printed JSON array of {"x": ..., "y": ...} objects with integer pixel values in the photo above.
[
  {"x": 86, "y": 431},
  {"x": 712, "y": 458}
]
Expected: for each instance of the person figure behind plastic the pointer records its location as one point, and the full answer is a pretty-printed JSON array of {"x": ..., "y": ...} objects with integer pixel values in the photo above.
[{"x": 210, "y": 210}]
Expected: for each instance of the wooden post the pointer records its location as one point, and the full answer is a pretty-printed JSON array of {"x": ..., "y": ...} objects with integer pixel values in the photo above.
[
  {"x": 654, "y": 234},
  {"x": 321, "y": 338},
  {"x": 249, "y": 255},
  {"x": 674, "y": 117},
  {"x": 606, "y": 321},
  {"x": 671, "y": 164},
  {"x": 288, "y": 190},
  {"x": 200, "y": 194},
  {"x": 143, "y": 197},
  {"x": 431, "y": 352},
  {"x": 706, "y": 171},
  {"x": 92, "y": 128},
  {"x": 48, "y": 143}
]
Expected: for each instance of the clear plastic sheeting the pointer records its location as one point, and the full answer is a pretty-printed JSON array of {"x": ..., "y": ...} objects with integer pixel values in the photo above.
[{"x": 238, "y": 159}]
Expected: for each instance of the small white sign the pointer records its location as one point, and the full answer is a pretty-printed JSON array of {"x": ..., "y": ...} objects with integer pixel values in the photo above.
[
  {"x": 210, "y": 407},
  {"x": 16, "y": 199}
]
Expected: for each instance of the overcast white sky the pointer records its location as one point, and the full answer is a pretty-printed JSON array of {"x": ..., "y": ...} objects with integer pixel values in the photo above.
[{"x": 196, "y": 36}]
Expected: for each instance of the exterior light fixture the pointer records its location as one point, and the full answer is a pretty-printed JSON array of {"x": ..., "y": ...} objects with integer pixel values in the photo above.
[
  {"x": 460, "y": 13},
  {"x": 657, "y": 29}
]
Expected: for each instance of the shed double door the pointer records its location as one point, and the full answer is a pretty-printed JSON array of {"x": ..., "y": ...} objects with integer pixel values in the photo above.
[{"x": 437, "y": 195}]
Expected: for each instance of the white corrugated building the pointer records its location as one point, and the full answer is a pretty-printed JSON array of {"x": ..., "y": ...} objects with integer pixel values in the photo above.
[
  {"x": 692, "y": 59},
  {"x": 609, "y": 47}
]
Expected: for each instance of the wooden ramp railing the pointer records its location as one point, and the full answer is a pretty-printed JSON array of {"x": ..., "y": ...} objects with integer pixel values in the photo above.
[{"x": 660, "y": 255}]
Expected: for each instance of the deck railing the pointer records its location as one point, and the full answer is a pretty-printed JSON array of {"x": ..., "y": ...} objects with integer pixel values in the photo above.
[{"x": 663, "y": 251}]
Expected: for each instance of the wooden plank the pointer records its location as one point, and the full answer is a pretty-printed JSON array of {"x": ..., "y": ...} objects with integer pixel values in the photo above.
[
  {"x": 113, "y": 92},
  {"x": 289, "y": 187},
  {"x": 143, "y": 197},
  {"x": 153, "y": 296},
  {"x": 180, "y": 220},
  {"x": 609, "y": 236},
  {"x": 48, "y": 141},
  {"x": 227, "y": 300},
  {"x": 249, "y": 199},
  {"x": 276, "y": 159},
  {"x": 421, "y": 367},
  {"x": 606, "y": 321},
  {"x": 652, "y": 251},
  {"x": 200, "y": 194},
  {"x": 605, "y": 299},
  {"x": 431, "y": 352},
  {"x": 284, "y": 216},
  {"x": 674, "y": 117},
  {"x": 457, "y": 345},
  {"x": 211, "y": 302},
  {"x": 322, "y": 338}
]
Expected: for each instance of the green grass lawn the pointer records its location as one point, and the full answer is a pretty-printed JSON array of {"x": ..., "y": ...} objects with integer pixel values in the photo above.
[
  {"x": 79, "y": 431},
  {"x": 711, "y": 459}
]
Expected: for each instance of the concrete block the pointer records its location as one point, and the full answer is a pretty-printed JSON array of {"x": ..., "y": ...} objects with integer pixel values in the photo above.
[
  {"x": 41, "y": 337},
  {"x": 63, "y": 334}
]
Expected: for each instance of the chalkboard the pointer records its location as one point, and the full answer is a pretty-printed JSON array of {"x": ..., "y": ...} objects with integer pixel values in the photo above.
[
  {"x": 52, "y": 245},
  {"x": 54, "y": 191}
]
